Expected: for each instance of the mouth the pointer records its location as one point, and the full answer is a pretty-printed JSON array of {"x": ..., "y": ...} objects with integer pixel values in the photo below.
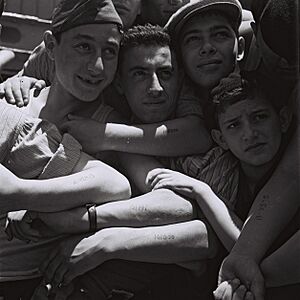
[
  {"x": 255, "y": 147},
  {"x": 209, "y": 63},
  {"x": 154, "y": 102},
  {"x": 91, "y": 81}
]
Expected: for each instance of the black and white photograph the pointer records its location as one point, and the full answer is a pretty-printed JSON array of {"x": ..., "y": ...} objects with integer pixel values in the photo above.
[{"x": 149, "y": 150}]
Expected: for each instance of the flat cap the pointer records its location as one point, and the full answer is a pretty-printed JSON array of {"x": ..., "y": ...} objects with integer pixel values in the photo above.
[{"x": 230, "y": 8}]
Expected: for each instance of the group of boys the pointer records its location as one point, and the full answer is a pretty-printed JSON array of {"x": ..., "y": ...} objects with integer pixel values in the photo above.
[{"x": 157, "y": 245}]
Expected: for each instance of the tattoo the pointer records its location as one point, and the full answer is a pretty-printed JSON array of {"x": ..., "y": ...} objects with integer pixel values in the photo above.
[
  {"x": 164, "y": 237},
  {"x": 172, "y": 130},
  {"x": 262, "y": 206},
  {"x": 84, "y": 178},
  {"x": 139, "y": 208}
]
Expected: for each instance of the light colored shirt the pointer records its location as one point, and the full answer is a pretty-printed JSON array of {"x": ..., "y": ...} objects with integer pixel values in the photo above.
[{"x": 30, "y": 148}]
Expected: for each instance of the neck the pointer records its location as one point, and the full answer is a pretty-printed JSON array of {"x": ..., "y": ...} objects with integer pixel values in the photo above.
[
  {"x": 255, "y": 174},
  {"x": 60, "y": 103}
]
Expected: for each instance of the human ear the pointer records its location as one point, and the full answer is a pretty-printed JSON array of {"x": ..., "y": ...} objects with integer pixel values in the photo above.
[
  {"x": 50, "y": 43},
  {"x": 241, "y": 48},
  {"x": 219, "y": 139},
  {"x": 285, "y": 118}
]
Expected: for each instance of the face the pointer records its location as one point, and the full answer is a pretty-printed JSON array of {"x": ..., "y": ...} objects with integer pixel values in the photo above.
[
  {"x": 209, "y": 49},
  {"x": 128, "y": 10},
  {"x": 159, "y": 11},
  {"x": 148, "y": 76},
  {"x": 86, "y": 59},
  {"x": 252, "y": 130}
]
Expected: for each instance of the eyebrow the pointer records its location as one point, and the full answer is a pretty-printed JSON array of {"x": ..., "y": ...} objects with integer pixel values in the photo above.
[
  {"x": 214, "y": 28},
  {"x": 79, "y": 36}
]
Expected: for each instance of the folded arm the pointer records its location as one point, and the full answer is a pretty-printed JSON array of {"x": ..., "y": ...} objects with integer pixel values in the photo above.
[{"x": 91, "y": 182}]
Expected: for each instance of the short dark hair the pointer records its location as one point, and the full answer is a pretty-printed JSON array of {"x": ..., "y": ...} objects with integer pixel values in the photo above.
[
  {"x": 143, "y": 35},
  {"x": 235, "y": 88}
]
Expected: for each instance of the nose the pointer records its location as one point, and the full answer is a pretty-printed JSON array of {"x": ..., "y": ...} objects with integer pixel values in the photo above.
[
  {"x": 155, "y": 88},
  {"x": 95, "y": 66},
  {"x": 249, "y": 132},
  {"x": 207, "y": 48}
]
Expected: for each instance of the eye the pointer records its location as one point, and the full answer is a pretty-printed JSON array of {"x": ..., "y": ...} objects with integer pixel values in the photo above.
[
  {"x": 110, "y": 53},
  {"x": 191, "y": 39},
  {"x": 139, "y": 74},
  {"x": 222, "y": 34},
  {"x": 232, "y": 125},
  {"x": 83, "y": 47},
  {"x": 165, "y": 74},
  {"x": 260, "y": 117}
]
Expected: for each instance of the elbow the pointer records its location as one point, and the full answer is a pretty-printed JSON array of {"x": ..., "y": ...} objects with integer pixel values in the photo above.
[
  {"x": 121, "y": 187},
  {"x": 206, "y": 241}
]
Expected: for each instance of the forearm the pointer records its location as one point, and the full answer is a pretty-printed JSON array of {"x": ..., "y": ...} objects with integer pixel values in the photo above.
[
  {"x": 273, "y": 208},
  {"x": 282, "y": 267},
  {"x": 160, "y": 207},
  {"x": 171, "y": 138},
  {"x": 97, "y": 183},
  {"x": 175, "y": 243},
  {"x": 224, "y": 222}
]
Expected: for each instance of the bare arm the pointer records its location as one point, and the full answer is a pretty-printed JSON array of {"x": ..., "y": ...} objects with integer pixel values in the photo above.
[
  {"x": 92, "y": 181},
  {"x": 182, "y": 136},
  {"x": 224, "y": 221},
  {"x": 164, "y": 244},
  {"x": 282, "y": 267},
  {"x": 155, "y": 208}
]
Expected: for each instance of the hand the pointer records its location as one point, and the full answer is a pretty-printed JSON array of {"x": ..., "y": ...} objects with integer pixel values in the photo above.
[
  {"x": 246, "y": 270},
  {"x": 232, "y": 290},
  {"x": 73, "y": 257},
  {"x": 19, "y": 225},
  {"x": 88, "y": 132},
  {"x": 16, "y": 90},
  {"x": 178, "y": 182}
]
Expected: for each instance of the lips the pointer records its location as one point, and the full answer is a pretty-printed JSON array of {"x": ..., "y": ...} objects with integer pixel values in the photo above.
[
  {"x": 211, "y": 62},
  {"x": 90, "y": 81},
  {"x": 255, "y": 147}
]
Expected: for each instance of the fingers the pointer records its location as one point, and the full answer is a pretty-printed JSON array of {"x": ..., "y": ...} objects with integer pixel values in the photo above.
[
  {"x": 239, "y": 293},
  {"x": 257, "y": 287},
  {"x": 221, "y": 290},
  {"x": 151, "y": 176},
  {"x": 38, "y": 86},
  {"x": 8, "y": 94},
  {"x": 226, "y": 289}
]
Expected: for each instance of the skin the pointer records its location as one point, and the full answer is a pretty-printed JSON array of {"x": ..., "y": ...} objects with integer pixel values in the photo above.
[
  {"x": 128, "y": 10},
  {"x": 148, "y": 78},
  {"x": 85, "y": 59},
  {"x": 159, "y": 11},
  {"x": 209, "y": 49},
  {"x": 252, "y": 130}
]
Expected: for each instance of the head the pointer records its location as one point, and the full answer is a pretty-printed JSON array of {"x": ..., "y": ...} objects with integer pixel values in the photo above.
[
  {"x": 148, "y": 73},
  {"x": 280, "y": 51},
  {"x": 205, "y": 33},
  {"x": 159, "y": 11},
  {"x": 84, "y": 43},
  {"x": 128, "y": 11},
  {"x": 247, "y": 121}
]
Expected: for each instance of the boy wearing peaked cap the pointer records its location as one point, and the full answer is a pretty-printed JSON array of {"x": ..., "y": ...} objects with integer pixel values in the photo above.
[{"x": 41, "y": 169}]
